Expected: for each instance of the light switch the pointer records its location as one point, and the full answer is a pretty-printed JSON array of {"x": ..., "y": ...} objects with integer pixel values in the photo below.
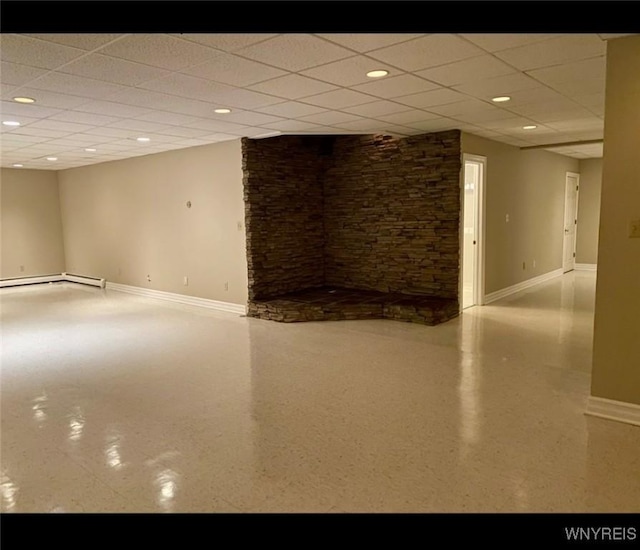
[{"x": 634, "y": 229}]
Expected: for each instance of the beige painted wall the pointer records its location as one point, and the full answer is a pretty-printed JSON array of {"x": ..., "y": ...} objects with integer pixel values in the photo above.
[
  {"x": 528, "y": 186},
  {"x": 124, "y": 220},
  {"x": 31, "y": 227},
  {"x": 588, "y": 211},
  {"x": 616, "y": 356}
]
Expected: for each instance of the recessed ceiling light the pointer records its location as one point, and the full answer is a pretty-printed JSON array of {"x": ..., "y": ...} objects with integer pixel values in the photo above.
[
  {"x": 90, "y": 150},
  {"x": 222, "y": 111},
  {"x": 501, "y": 99},
  {"x": 18, "y": 165},
  {"x": 24, "y": 100},
  {"x": 377, "y": 74},
  {"x": 529, "y": 127},
  {"x": 52, "y": 158},
  {"x": 10, "y": 123},
  {"x": 143, "y": 139}
]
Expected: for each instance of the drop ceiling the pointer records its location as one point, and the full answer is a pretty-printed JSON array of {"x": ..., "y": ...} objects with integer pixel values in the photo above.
[{"x": 103, "y": 91}]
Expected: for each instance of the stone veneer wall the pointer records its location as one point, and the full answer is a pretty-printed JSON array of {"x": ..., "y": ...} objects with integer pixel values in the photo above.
[
  {"x": 391, "y": 214},
  {"x": 283, "y": 212},
  {"x": 362, "y": 212}
]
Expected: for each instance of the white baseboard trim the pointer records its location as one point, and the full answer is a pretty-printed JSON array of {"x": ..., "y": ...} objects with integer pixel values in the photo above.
[
  {"x": 620, "y": 411},
  {"x": 57, "y": 278},
  {"x": 179, "y": 298},
  {"x": 503, "y": 293},
  {"x": 19, "y": 281},
  {"x": 586, "y": 267}
]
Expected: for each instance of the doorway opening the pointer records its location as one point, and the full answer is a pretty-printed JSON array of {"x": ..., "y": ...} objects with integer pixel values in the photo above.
[
  {"x": 472, "y": 231},
  {"x": 572, "y": 186}
]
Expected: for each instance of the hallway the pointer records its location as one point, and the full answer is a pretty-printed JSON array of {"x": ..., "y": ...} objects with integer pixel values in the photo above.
[{"x": 117, "y": 403}]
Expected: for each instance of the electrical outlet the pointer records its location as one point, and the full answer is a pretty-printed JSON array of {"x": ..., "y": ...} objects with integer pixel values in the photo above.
[
  {"x": 149, "y": 278},
  {"x": 634, "y": 229},
  {"x": 534, "y": 264},
  {"x": 524, "y": 265},
  {"x": 240, "y": 226},
  {"x": 185, "y": 282},
  {"x": 226, "y": 286},
  {"x": 21, "y": 268},
  {"x": 507, "y": 218}
]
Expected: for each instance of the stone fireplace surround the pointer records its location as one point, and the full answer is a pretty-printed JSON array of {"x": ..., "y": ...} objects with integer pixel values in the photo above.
[{"x": 353, "y": 227}]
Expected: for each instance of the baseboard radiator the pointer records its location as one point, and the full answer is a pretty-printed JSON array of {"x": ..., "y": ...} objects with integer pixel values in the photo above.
[{"x": 56, "y": 278}]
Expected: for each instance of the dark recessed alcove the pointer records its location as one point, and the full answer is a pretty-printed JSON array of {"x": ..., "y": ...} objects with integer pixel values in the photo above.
[{"x": 352, "y": 227}]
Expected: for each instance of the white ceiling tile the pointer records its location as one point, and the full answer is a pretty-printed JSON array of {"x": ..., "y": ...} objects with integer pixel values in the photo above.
[
  {"x": 138, "y": 125},
  {"x": 580, "y": 124},
  {"x": 363, "y": 125},
  {"x": 42, "y": 132},
  {"x": 467, "y": 71},
  {"x": 588, "y": 85},
  {"x": 157, "y": 50},
  {"x": 23, "y": 120},
  {"x": 112, "y": 69},
  {"x": 14, "y": 73},
  {"x": 338, "y": 99},
  {"x": 84, "y": 41},
  {"x": 248, "y": 118},
  {"x": 183, "y": 85},
  {"x": 499, "y": 85},
  {"x": 61, "y": 126},
  {"x": 553, "y": 112},
  {"x": 428, "y": 51},
  {"x": 295, "y": 52},
  {"x": 481, "y": 117},
  {"x": 376, "y": 109},
  {"x": 397, "y": 130},
  {"x": 350, "y": 71},
  {"x": 35, "y": 53},
  {"x": 428, "y": 99},
  {"x": 28, "y": 110},
  {"x": 590, "y": 100},
  {"x": 247, "y": 99},
  {"x": 163, "y": 117},
  {"x": 224, "y": 41},
  {"x": 76, "y": 85},
  {"x": 178, "y": 131},
  {"x": 407, "y": 117},
  {"x": 461, "y": 107},
  {"x": 46, "y": 98},
  {"x": 211, "y": 138},
  {"x": 291, "y": 109},
  {"x": 292, "y": 86},
  {"x": 594, "y": 68},
  {"x": 329, "y": 118},
  {"x": 510, "y": 122},
  {"x": 435, "y": 125},
  {"x": 111, "y": 108},
  {"x": 396, "y": 86},
  {"x": 291, "y": 126},
  {"x": 234, "y": 70},
  {"x": 84, "y": 118},
  {"x": 21, "y": 138},
  {"x": 110, "y": 132},
  {"x": 89, "y": 139},
  {"x": 502, "y": 41},
  {"x": 364, "y": 42},
  {"x": 217, "y": 126},
  {"x": 566, "y": 48}
]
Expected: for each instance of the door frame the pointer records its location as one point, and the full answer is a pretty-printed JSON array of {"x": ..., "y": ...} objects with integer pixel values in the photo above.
[
  {"x": 575, "y": 223},
  {"x": 480, "y": 219}
]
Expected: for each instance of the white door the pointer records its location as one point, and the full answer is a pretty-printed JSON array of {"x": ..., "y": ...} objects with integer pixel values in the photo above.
[
  {"x": 570, "y": 221},
  {"x": 471, "y": 223}
]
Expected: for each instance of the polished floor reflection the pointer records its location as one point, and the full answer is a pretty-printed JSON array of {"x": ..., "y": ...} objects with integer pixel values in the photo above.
[{"x": 116, "y": 403}]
